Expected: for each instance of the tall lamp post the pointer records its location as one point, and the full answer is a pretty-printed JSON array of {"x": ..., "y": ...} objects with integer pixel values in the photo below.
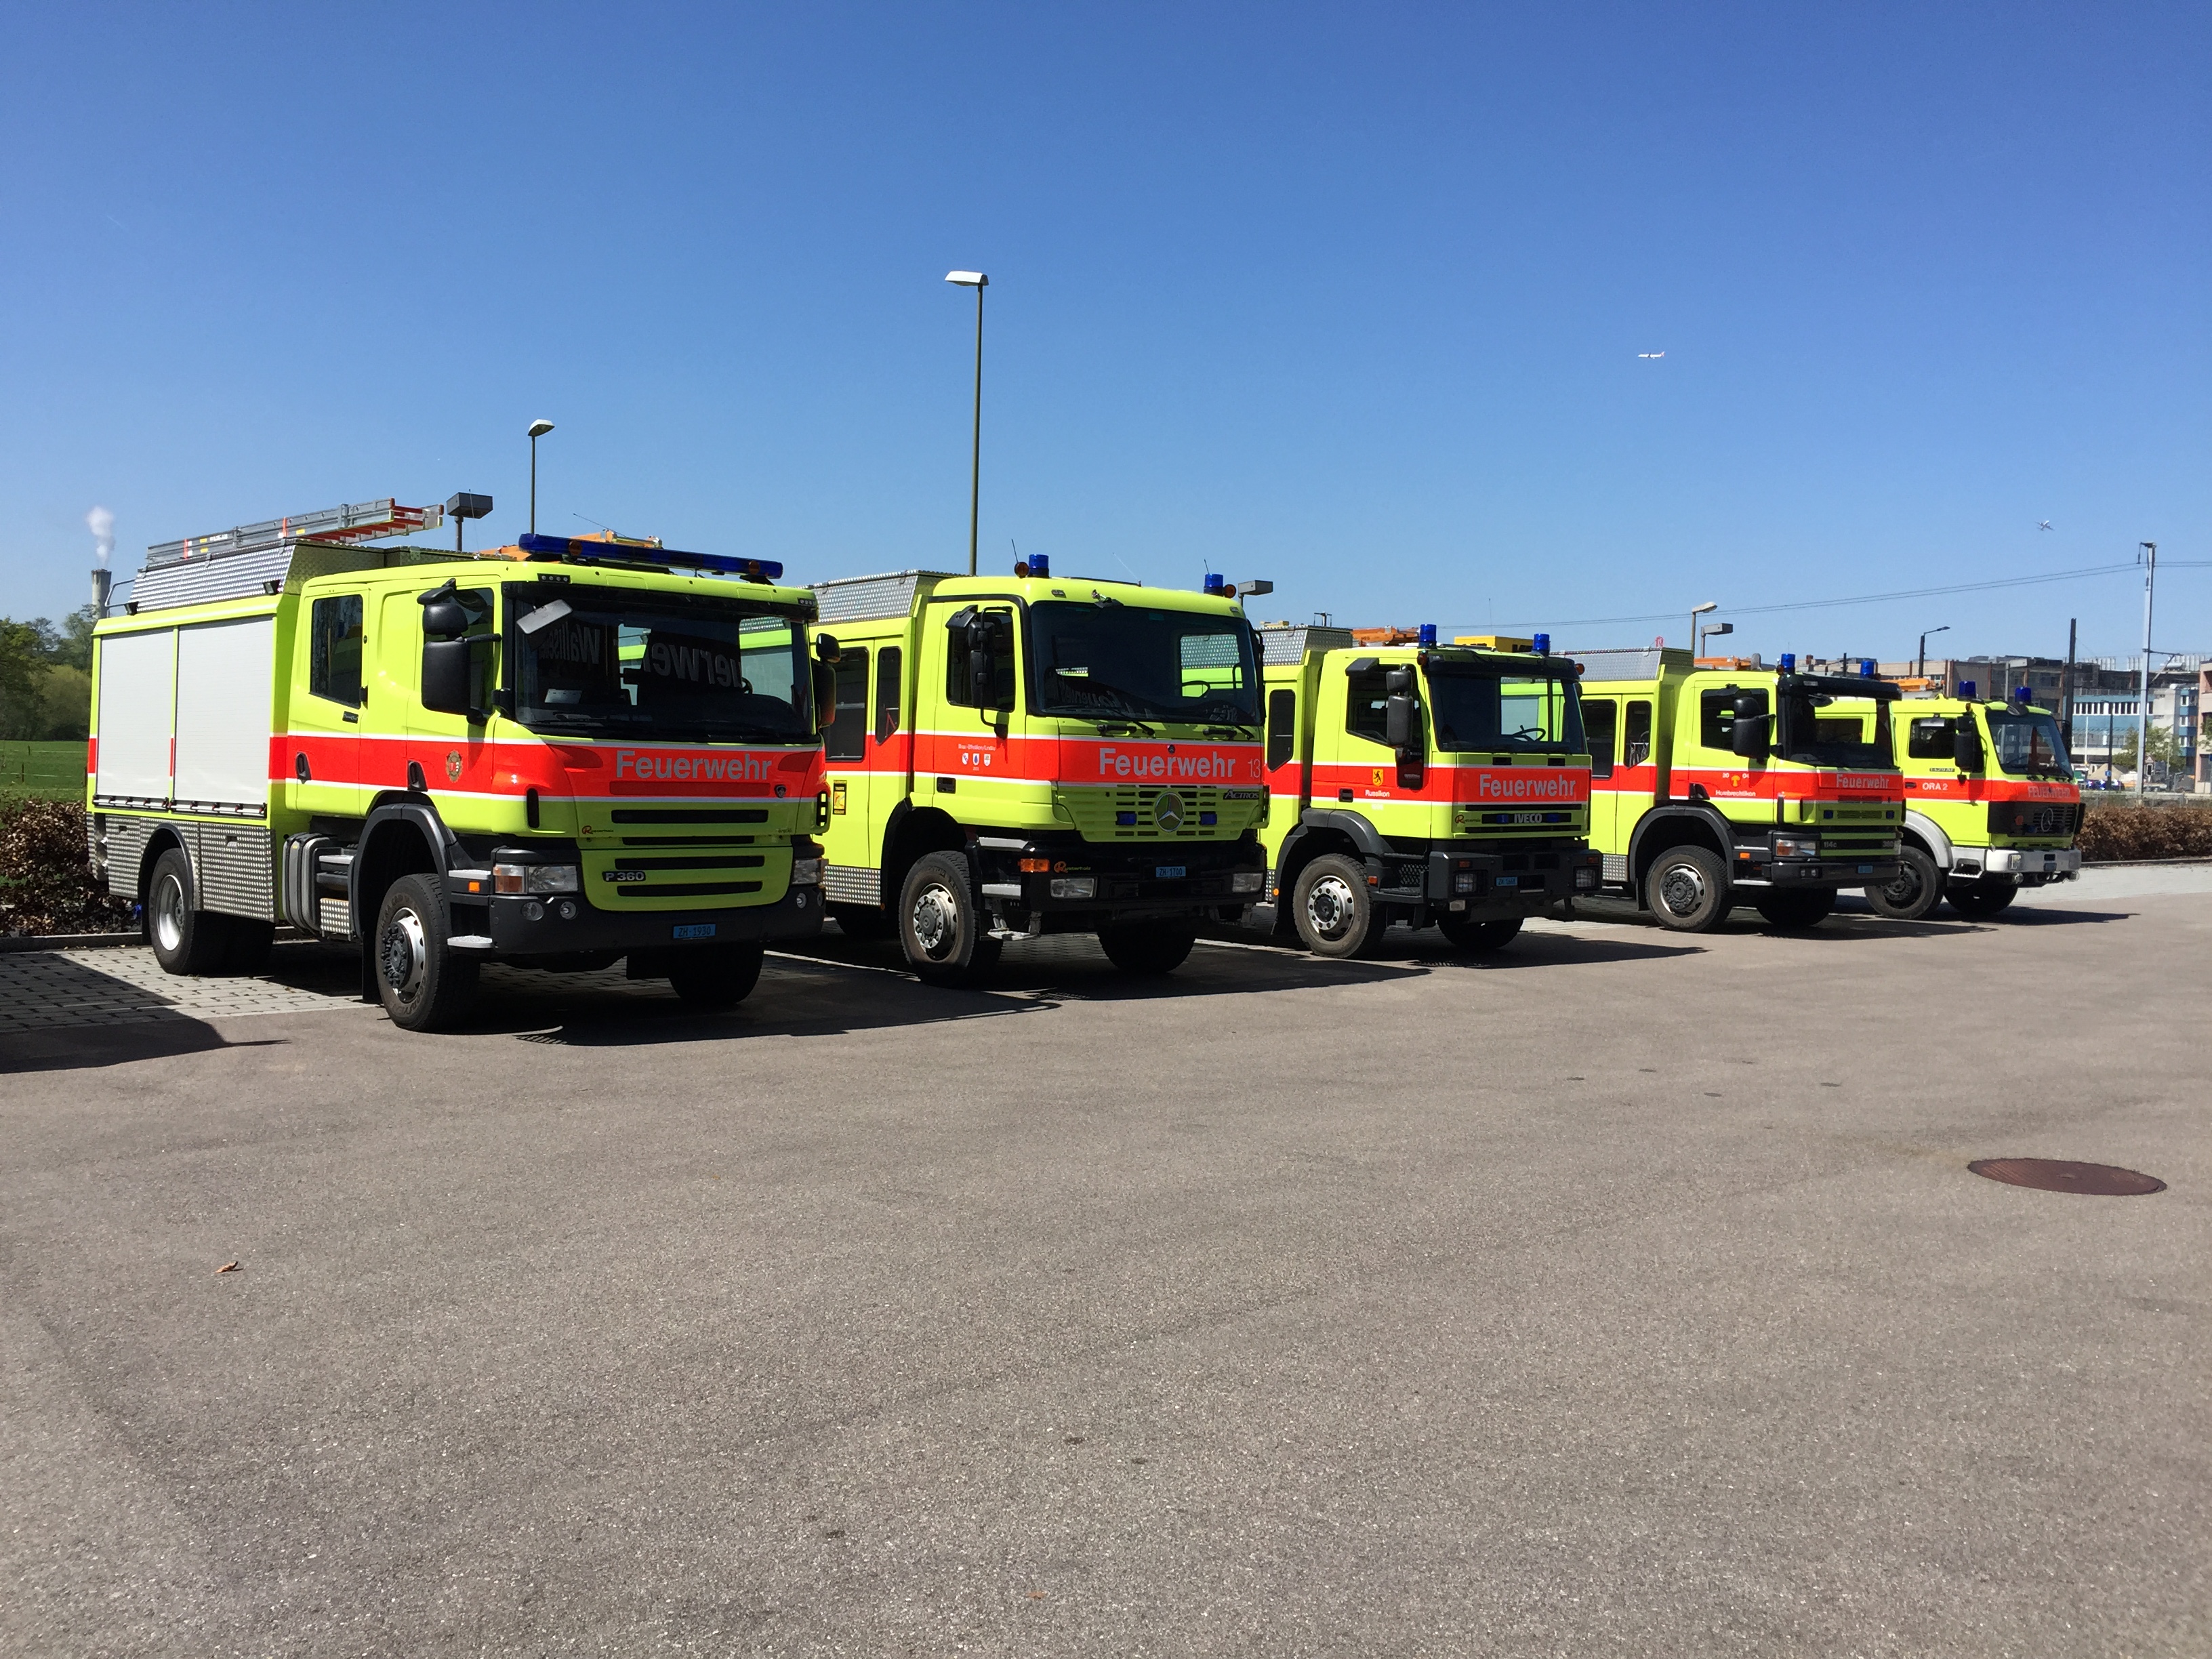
[
  {"x": 1696, "y": 611},
  {"x": 1920, "y": 667},
  {"x": 2143, "y": 706},
  {"x": 979, "y": 282},
  {"x": 537, "y": 429}
]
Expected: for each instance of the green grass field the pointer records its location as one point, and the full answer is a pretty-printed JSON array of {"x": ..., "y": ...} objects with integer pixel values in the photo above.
[{"x": 54, "y": 771}]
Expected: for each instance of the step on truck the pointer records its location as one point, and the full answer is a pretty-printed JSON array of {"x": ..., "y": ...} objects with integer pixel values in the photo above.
[
  {"x": 561, "y": 755},
  {"x": 1021, "y": 755},
  {"x": 1715, "y": 786},
  {"x": 1991, "y": 805},
  {"x": 1415, "y": 783}
]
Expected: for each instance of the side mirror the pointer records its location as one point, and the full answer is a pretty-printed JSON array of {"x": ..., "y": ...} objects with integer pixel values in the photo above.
[
  {"x": 827, "y": 648},
  {"x": 1398, "y": 683},
  {"x": 982, "y": 675},
  {"x": 1966, "y": 744},
  {"x": 1401, "y": 722},
  {"x": 1747, "y": 738},
  {"x": 442, "y": 615},
  {"x": 445, "y": 675},
  {"x": 825, "y": 696}
]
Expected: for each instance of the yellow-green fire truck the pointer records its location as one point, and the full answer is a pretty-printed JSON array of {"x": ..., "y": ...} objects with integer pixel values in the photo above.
[
  {"x": 1019, "y": 755},
  {"x": 1420, "y": 783},
  {"x": 560, "y": 754},
  {"x": 1716, "y": 787},
  {"x": 1991, "y": 805}
]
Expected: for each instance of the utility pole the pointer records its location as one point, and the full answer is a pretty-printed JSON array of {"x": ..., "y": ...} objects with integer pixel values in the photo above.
[
  {"x": 2066, "y": 692},
  {"x": 2143, "y": 708}
]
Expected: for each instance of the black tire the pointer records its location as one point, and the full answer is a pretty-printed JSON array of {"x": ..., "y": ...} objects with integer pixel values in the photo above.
[
  {"x": 185, "y": 939},
  {"x": 861, "y": 921},
  {"x": 424, "y": 985},
  {"x": 1149, "y": 948},
  {"x": 1479, "y": 937},
  {"x": 940, "y": 922},
  {"x": 247, "y": 952},
  {"x": 1917, "y": 889},
  {"x": 715, "y": 975},
  {"x": 1982, "y": 898},
  {"x": 1688, "y": 890},
  {"x": 1794, "y": 909},
  {"x": 1334, "y": 914}
]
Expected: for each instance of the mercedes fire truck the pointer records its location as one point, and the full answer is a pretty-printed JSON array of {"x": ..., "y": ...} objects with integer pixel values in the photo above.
[
  {"x": 1417, "y": 783},
  {"x": 1013, "y": 755},
  {"x": 559, "y": 753},
  {"x": 1715, "y": 786}
]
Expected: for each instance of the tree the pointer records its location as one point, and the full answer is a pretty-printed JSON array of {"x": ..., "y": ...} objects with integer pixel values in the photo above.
[
  {"x": 2165, "y": 750},
  {"x": 45, "y": 676},
  {"x": 23, "y": 671}
]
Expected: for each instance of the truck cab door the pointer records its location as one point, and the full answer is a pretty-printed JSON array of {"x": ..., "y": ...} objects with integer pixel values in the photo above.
[
  {"x": 973, "y": 732},
  {"x": 330, "y": 697},
  {"x": 846, "y": 752}
]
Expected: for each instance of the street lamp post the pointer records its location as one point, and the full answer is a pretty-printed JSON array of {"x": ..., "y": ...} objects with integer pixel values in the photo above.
[
  {"x": 2143, "y": 706},
  {"x": 1696, "y": 611},
  {"x": 979, "y": 282},
  {"x": 539, "y": 428},
  {"x": 1920, "y": 667}
]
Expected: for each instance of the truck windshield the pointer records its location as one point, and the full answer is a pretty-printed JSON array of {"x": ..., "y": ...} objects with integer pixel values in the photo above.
[
  {"x": 1821, "y": 730},
  {"x": 1470, "y": 708},
  {"x": 606, "y": 661},
  {"x": 1107, "y": 662},
  {"x": 2028, "y": 745}
]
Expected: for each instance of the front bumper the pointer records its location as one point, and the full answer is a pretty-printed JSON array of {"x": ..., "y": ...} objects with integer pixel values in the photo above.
[
  {"x": 2032, "y": 865},
  {"x": 513, "y": 932},
  {"x": 1194, "y": 879},
  {"x": 1481, "y": 885}
]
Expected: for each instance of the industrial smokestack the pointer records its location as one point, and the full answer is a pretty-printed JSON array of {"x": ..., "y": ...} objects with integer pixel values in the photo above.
[{"x": 101, "y": 523}]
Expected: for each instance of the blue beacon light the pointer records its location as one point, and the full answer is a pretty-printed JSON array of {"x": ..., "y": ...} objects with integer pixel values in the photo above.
[
  {"x": 1967, "y": 690},
  {"x": 1541, "y": 645},
  {"x": 1790, "y": 662},
  {"x": 1428, "y": 634},
  {"x": 1213, "y": 582},
  {"x": 2023, "y": 695}
]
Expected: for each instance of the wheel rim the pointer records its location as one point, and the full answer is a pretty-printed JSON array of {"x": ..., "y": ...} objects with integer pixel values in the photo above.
[
  {"x": 169, "y": 913},
  {"x": 936, "y": 920},
  {"x": 1905, "y": 892},
  {"x": 1330, "y": 907},
  {"x": 1682, "y": 889},
  {"x": 404, "y": 955}
]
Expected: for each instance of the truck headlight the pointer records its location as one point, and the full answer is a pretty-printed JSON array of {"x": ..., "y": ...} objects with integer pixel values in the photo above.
[
  {"x": 1075, "y": 887},
  {"x": 1586, "y": 879},
  {"x": 1463, "y": 882},
  {"x": 1247, "y": 881},
  {"x": 533, "y": 879},
  {"x": 1796, "y": 847},
  {"x": 806, "y": 872}
]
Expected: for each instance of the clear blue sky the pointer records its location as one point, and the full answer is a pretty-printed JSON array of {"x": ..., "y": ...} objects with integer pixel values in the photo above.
[{"x": 1347, "y": 297}]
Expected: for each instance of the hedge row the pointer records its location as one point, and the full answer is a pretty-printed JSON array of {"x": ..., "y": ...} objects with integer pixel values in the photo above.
[
  {"x": 46, "y": 884},
  {"x": 2111, "y": 834}
]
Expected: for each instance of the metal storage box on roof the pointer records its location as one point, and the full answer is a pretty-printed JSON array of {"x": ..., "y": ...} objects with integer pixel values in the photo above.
[
  {"x": 868, "y": 598},
  {"x": 1638, "y": 663},
  {"x": 1290, "y": 644}
]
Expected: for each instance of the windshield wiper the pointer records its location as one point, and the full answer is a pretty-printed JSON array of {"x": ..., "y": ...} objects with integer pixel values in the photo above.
[
  {"x": 1122, "y": 727},
  {"x": 1227, "y": 730}
]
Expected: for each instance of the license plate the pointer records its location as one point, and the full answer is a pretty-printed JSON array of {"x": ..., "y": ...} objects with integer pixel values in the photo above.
[
  {"x": 1170, "y": 873},
  {"x": 695, "y": 930},
  {"x": 1866, "y": 869},
  {"x": 1509, "y": 881}
]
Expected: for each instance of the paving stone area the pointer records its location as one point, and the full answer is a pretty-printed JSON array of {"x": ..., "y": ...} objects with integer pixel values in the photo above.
[{"x": 123, "y": 985}]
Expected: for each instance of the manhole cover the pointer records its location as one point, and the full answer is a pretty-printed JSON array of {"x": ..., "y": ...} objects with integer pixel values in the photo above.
[{"x": 2058, "y": 1175}]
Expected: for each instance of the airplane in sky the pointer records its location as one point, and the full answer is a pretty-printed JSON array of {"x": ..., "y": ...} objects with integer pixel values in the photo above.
[
  {"x": 1649, "y": 357},
  {"x": 2043, "y": 524}
]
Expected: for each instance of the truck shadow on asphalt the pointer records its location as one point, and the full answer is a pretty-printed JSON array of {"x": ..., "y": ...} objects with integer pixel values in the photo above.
[{"x": 169, "y": 1035}]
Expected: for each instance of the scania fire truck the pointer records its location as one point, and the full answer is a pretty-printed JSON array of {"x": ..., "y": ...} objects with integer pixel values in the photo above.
[
  {"x": 1013, "y": 755},
  {"x": 1991, "y": 805},
  {"x": 1714, "y": 787},
  {"x": 560, "y": 754},
  {"x": 1417, "y": 782}
]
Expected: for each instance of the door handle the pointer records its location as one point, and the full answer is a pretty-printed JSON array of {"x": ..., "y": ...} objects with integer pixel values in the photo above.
[{"x": 350, "y": 718}]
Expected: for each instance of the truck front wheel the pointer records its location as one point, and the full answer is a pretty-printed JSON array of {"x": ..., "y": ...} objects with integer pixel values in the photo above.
[
  {"x": 715, "y": 975},
  {"x": 1148, "y": 947},
  {"x": 423, "y": 986},
  {"x": 1916, "y": 890},
  {"x": 185, "y": 941},
  {"x": 940, "y": 925},
  {"x": 1688, "y": 890},
  {"x": 1335, "y": 913}
]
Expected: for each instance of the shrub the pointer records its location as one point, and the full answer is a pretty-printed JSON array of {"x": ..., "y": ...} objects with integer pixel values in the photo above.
[
  {"x": 46, "y": 884},
  {"x": 2113, "y": 834}
]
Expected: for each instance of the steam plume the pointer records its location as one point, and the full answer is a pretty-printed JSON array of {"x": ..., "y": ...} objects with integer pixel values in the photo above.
[{"x": 101, "y": 523}]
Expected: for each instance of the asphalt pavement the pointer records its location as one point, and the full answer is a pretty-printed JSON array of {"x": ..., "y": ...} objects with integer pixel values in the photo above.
[{"x": 1620, "y": 1294}]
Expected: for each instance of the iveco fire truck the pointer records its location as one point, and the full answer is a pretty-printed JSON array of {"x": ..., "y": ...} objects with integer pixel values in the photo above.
[
  {"x": 1013, "y": 755},
  {"x": 1416, "y": 782},
  {"x": 1714, "y": 787},
  {"x": 1991, "y": 805},
  {"x": 560, "y": 754}
]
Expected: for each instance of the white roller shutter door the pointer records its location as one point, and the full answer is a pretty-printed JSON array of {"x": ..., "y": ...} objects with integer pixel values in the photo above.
[
  {"x": 224, "y": 693},
  {"x": 137, "y": 676}
]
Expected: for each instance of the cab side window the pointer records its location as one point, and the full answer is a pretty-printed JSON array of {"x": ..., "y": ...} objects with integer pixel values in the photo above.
[
  {"x": 1282, "y": 727},
  {"x": 887, "y": 692},
  {"x": 1635, "y": 735},
  {"x": 334, "y": 642},
  {"x": 1365, "y": 700},
  {"x": 1929, "y": 739},
  {"x": 957, "y": 687},
  {"x": 846, "y": 739},
  {"x": 1601, "y": 716},
  {"x": 1716, "y": 715}
]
